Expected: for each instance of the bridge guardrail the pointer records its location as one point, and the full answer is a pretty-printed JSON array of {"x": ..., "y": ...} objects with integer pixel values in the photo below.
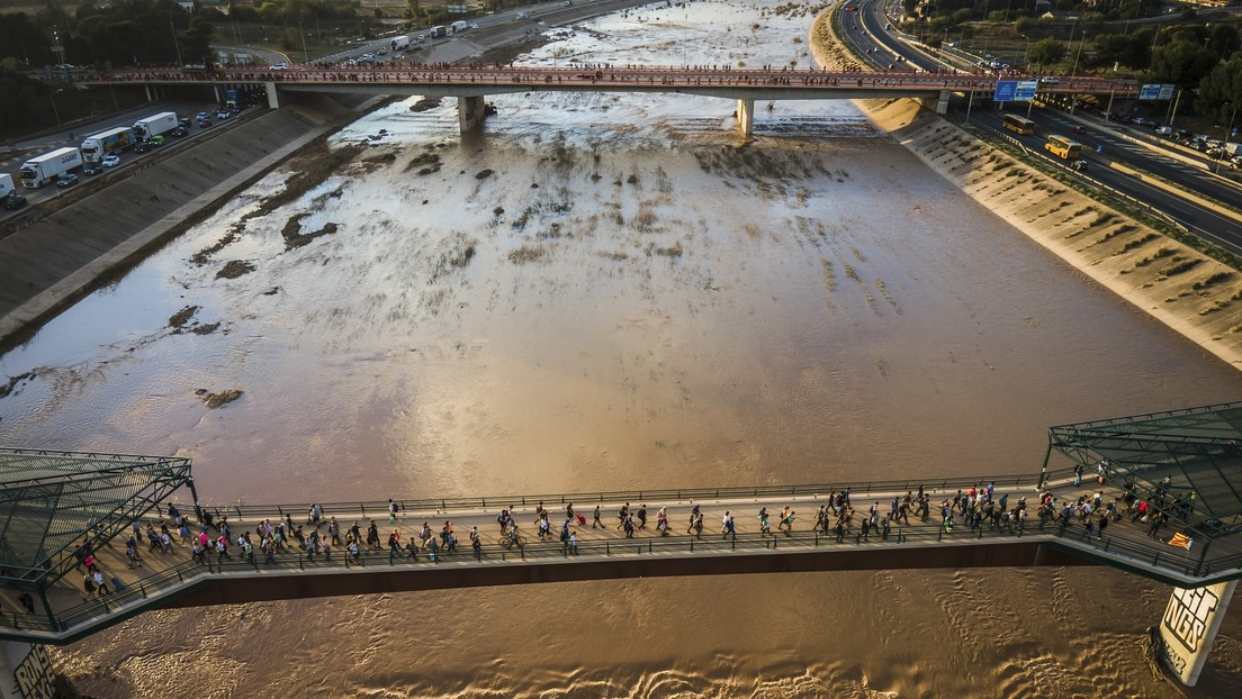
[{"x": 660, "y": 494}]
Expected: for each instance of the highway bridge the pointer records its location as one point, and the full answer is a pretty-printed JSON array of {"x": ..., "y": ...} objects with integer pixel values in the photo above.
[{"x": 471, "y": 83}]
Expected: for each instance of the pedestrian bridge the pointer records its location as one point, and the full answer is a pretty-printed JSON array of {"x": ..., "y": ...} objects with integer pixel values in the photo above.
[
  {"x": 471, "y": 83},
  {"x": 1184, "y": 465}
]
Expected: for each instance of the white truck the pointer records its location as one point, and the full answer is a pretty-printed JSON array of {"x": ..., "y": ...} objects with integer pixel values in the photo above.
[
  {"x": 45, "y": 168},
  {"x": 155, "y": 125},
  {"x": 460, "y": 26},
  {"x": 438, "y": 31},
  {"x": 94, "y": 148},
  {"x": 1233, "y": 150},
  {"x": 6, "y": 185},
  {"x": 399, "y": 43}
]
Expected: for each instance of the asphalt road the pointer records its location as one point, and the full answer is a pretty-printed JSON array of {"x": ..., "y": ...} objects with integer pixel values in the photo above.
[
  {"x": 865, "y": 29},
  {"x": 24, "y": 149}
]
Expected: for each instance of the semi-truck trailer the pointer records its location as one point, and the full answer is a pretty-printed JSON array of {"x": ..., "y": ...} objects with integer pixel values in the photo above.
[
  {"x": 399, "y": 43},
  {"x": 155, "y": 125},
  {"x": 94, "y": 148},
  {"x": 45, "y": 168},
  {"x": 6, "y": 185}
]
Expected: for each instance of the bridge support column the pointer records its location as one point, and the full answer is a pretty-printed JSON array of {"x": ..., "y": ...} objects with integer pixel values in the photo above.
[
  {"x": 942, "y": 102},
  {"x": 1188, "y": 628},
  {"x": 25, "y": 671},
  {"x": 149, "y": 97},
  {"x": 470, "y": 113},
  {"x": 745, "y": 116},
  {"x": 272, "y": 101},
  {"x": 216, "y": 89}
]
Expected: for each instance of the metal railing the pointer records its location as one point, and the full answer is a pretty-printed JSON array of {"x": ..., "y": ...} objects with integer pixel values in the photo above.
[{"x": 858, "y": 489}]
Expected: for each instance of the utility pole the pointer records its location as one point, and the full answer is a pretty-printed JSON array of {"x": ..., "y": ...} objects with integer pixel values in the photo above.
[{"x": 176, "y": 44}]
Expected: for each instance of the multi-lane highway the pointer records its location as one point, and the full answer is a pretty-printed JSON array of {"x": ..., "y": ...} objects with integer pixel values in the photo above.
[{"x": 865, "y": 30}]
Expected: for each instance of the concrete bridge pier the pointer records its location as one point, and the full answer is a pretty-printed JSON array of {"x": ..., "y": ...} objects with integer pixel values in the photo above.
[
  {"x": 1188, "y": 628},
  {"x": 25, "y": 671},
  {"x": 273, "y": 102},
  {"x": 470, "y": 113},
  {"x": 745, "y": 116},
  {"x": 942, "y": 102}
]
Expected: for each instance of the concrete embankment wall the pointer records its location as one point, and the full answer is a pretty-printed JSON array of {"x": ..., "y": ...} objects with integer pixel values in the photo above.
[
  {"x": 1182, "y": 288},
  {"x": 51, "y": 262}
]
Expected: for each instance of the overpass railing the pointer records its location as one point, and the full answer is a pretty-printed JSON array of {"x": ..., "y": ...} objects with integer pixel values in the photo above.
[
  {"x": 137, "y": 595},
  {"x": 858, "y": 489}
]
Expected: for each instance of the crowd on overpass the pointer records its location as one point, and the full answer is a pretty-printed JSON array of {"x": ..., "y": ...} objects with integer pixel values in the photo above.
[{"x": 601, "y": 74}]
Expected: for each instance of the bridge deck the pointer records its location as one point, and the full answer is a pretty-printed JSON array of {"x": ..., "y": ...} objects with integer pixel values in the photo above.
[
  {"x": 796, "y": 83},
  {"x": 164, "y": 576}
]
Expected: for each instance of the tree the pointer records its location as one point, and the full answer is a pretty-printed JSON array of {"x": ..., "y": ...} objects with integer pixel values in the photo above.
[
  {"x": 1224, "y": 40},
  {"x": 1046, "y": 52},
  {"x": 1182, "y": 63},
  {"x": 1220, "y": 91},
  {"x": 1024, "y": 25}
]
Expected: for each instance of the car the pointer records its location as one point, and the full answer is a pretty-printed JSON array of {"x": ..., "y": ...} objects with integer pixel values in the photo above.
[
  {"x": 184, "y": 122},
  {"x": 474, "y": 25},
  {"x": 91, "y": 169},
  {"x": 951, "y": 44},
  {"x": 222, "y": 115},
  {"x": 279, "y": 66},
  {"x": 14, "y": 201},
  {"x": 523, "y": 15},
  {"x": 204, "y": 123},
  {"x": 383, "y": 52},
  {"x": 202, "y": 115},
  {"x": 111, "y": 160},
  {"x": 1050, "y": 80},
  {"x": 67, "y": 179},
  {"x": 178, "y": 132},
  {"x": 1079, "y": 165},
  {"x": 157, "y": 140}
]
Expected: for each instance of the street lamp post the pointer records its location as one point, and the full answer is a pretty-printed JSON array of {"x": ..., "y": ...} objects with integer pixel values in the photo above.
[{"x": 1229, "y": 130}]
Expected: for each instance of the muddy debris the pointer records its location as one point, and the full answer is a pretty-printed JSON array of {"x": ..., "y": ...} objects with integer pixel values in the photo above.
[
  {"x": 425, "y": 104},
  {"x": 8, "y": 387},
  {"x": 483, "y": 174},
  {"x": 179, "y": 319},
  {"x": 632, "y": 179},
  {"x": 499, "y": 211},
  {"x": 272, "y": 291},
  {"x": 673, "y": 251},
  {"x": 526, "y": 254},
  {"x": 205, "y": 329},
  {"x": 203, "y": 256},
  {"x": 295, "y": 238},
  {"x": 428, "y": 159},
  {"x": 235, "y": 269},
  {"x": 217, "y": 400}
]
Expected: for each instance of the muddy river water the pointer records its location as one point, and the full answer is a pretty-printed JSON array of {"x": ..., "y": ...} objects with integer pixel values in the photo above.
[{"x": 628, "y": 299}]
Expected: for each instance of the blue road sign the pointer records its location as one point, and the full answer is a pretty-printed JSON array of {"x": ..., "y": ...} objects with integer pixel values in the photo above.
[
  {"x": 1005, "y": 90},
  {"x": 1025, "y": 91},
  {"x": 1150, "y": 92}
]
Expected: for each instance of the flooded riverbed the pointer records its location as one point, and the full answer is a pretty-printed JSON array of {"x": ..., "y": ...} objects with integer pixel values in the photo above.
[{"x": 611, "y": 291}]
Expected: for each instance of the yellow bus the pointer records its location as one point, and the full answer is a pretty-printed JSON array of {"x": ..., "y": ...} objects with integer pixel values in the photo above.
[
  {"x": 1063, "y": 148},
  {"x": 1018, "y": 124}
]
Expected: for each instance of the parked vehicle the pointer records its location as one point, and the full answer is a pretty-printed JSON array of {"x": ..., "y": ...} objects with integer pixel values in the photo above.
[
  {"x": 154, "y": 125},
  {"x": 14, "y": 201},
  {"x": 399, "y": 43},
  {"x": 41, "y": 170},
  {"x": 94, "y": 148},
  {"x": 7, "y": 186},
  {"x": 67, "y": 179},
  {"x": 111, "y": 160}
]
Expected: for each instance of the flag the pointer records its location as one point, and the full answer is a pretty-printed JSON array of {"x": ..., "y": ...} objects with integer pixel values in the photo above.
[{"x": 1181, "y": 541}]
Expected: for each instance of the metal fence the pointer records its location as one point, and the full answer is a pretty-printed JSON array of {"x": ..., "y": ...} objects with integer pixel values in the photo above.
[{"x": 857, "y": 488}]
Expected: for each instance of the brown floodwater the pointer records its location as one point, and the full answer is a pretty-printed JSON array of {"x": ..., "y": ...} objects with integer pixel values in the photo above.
[{"x": 663, "y": 309}]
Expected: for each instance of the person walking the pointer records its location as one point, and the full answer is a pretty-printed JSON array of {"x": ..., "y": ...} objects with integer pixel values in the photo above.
[
  {"x": 476, "y": 543},
  {"x": 597, "y": 521}
]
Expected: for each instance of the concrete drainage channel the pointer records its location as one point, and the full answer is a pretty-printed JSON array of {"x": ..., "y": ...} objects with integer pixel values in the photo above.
[{"x": 55, "y": 261}]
